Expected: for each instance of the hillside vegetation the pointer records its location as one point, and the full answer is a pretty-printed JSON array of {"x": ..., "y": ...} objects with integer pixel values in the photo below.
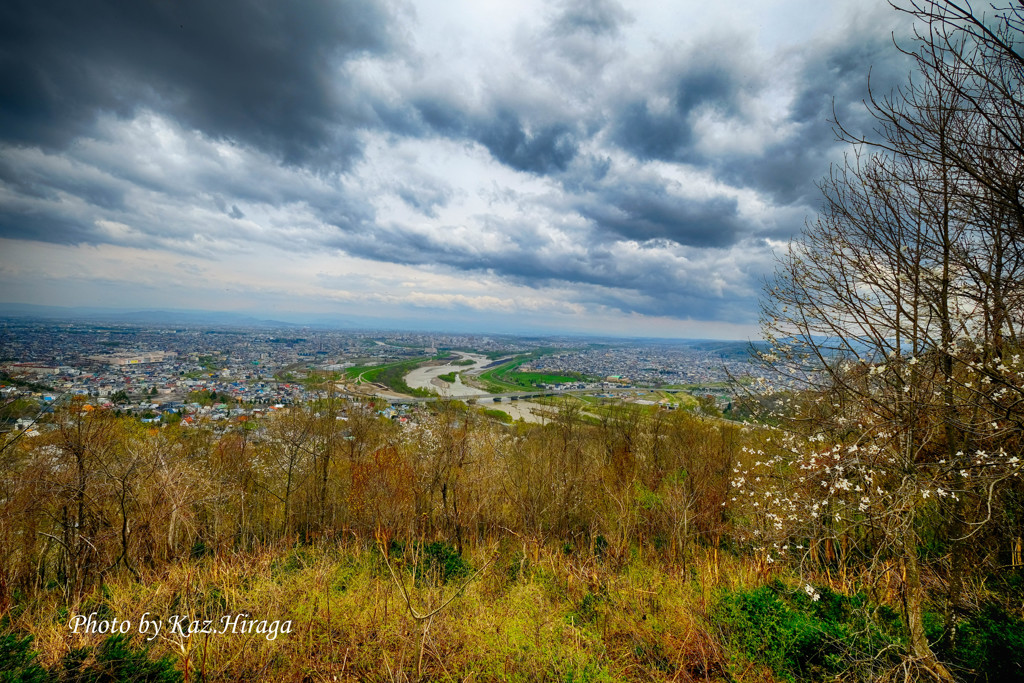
[{"x": 570, "y": 551}]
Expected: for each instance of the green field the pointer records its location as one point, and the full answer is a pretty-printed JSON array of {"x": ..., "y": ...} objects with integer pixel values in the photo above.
[
  {"x": 684, "y": 399},
  {"x": 391, "y": 375},
  {"x": 499, "y": 415},
  {"x": 370, "y": 373},
  {"x": 493, "y": 379},
  {"x": 507, "y": 377},
  {"x": 531, "y": 379}
]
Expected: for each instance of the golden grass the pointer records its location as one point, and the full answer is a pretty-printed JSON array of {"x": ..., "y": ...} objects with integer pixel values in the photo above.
[{"x": 534, "y": 614}]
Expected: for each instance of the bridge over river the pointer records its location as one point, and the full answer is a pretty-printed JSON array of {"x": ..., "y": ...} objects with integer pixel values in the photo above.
[{"x": 508, "y": 396}]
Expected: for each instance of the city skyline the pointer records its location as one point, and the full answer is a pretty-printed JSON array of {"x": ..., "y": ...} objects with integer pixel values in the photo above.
[{"x": 581, "y": 167}]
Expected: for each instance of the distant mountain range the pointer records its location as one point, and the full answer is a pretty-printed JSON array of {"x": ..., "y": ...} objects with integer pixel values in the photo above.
[
  {"x": 143, "y": 317},
  {"x": 737, "y": 350},
  {"x": 200, "y": 318}
]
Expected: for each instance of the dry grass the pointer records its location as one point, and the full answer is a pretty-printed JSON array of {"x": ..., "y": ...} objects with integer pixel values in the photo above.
[{"x": 529, "y": 616}]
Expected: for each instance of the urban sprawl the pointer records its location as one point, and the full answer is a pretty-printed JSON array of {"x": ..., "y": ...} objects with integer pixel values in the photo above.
[{"x": 190, "y": 374}]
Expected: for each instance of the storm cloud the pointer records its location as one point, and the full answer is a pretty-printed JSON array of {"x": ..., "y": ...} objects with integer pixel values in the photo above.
[
  {"x": 264, "y": 73},
  {"x": 610, "y": 159}
]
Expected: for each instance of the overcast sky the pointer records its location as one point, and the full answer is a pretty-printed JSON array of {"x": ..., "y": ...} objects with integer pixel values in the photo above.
[{"x": 606, "y": 167}]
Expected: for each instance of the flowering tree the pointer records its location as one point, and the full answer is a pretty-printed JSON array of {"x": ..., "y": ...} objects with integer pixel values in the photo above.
[{"x": 894, "y": 322}]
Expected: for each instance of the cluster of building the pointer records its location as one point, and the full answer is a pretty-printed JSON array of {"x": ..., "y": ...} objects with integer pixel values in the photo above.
[
  {"x": 192, "y": 373},
  {"x": 648, "y": 365}
]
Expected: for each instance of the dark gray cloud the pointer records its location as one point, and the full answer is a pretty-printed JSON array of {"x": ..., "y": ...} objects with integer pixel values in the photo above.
[
  {"x": 424, "y": 195},
  {"x": 833, "y": 84},
  {"x": 528, "y": 120},
  {"x": 106, "y": 193},
  {"x": 21, "y": 221},
  {"x": 657, "y": 114},
  {"x": 544, "y": 149},
  {"x": 712, "y": 75},
  {"x": 596, "y": 17},
  {"x": 647, "y": 134},
  {"x": 642, "y": 212},
  {"x": 61, "y": 178},
  {"x": 256, "y": 71},
  {"x": 514, "y": 135},
  {"x": 722, "y": 78},
  {"x": 644, "y": 278}
]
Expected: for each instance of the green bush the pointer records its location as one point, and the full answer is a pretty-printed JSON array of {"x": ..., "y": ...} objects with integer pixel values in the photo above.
[
  {"x": 804, "y": 639},
  {"x": 499, "y": 415},
  {"x": 116, "y": 661},
  {"x": 987, "y": 646},
  {"x": 588, "y": 609},
  {"x": 439, "y": 563},
  {"x": 600, "y": 546},
  {"x": 17, "y": 660},
  {"x": 764, "y": 629}
]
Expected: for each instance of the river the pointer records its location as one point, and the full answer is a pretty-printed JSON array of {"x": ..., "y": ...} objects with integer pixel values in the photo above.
[{"x": 428, "y": 378}]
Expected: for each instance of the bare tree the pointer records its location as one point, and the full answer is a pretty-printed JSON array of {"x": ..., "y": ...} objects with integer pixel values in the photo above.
[{"x": 898, "y": 310}]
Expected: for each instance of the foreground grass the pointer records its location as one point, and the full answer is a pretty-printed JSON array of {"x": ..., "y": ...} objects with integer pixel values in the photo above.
[
  {"x": 516, "y": 611},
  {"x": 531, "y": 614}
]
